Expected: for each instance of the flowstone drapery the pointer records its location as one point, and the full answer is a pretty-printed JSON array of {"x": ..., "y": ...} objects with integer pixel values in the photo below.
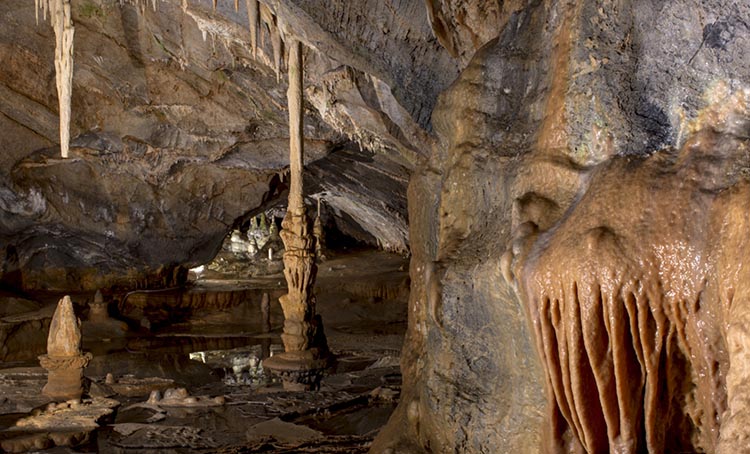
[
  {"x": 638, "y": 298},
  {"x": 306, "y": 351}
]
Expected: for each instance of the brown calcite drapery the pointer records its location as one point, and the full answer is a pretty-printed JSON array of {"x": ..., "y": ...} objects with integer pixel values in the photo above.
[{"x": 638, "y": 297}]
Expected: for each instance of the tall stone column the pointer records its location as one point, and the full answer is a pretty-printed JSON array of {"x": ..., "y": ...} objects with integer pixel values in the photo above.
[{"x": 306, "y": 353}]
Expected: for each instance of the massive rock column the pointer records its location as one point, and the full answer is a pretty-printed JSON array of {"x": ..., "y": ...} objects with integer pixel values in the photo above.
[{"x": 306, "y": 351}]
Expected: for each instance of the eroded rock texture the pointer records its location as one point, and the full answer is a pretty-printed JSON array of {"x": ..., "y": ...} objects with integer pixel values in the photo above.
[{"x": 564, "y": 108}]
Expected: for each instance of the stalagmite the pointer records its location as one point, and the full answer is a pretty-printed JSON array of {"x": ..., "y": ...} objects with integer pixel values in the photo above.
[
  {"x": 64, "y": 359},
  {"x": 306, "y": 352},
  {"x": 253, "y": 18},
  {"x": 62, "y": 23}
]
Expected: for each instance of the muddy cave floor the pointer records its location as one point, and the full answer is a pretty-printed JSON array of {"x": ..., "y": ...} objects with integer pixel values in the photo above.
[{"x": 192, "y": 338}]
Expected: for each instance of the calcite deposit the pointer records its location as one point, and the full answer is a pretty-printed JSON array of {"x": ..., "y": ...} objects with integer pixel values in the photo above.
[
  {"x": 64, "y": 360},
  {"x": 306, "y": 352}
]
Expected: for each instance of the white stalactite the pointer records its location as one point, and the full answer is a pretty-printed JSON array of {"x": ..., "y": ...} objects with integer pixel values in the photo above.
[
  {"x": 277, "y": 50},
  {"x": 62, "y": 23},
  {"x": 253, "y": 18}
]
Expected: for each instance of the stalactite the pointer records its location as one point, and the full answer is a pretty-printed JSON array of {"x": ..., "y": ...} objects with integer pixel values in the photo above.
[
  {"x": 253, "y": 18},
  {"x": 296, "y": 150},
  {"x": 277, "y": 50},
  {"x": 236, "y": 5},
  {"x": 62, "y": 23}
]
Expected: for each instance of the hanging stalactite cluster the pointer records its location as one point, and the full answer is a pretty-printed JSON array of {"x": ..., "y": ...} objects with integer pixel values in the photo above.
[{"x": 261, "y": 18}]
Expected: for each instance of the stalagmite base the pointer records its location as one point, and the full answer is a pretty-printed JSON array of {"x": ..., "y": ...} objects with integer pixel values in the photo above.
[{"x": 306, "y": 354}]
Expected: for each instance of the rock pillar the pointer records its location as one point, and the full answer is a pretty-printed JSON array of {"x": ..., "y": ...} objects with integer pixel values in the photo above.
[
  {"x": 64, "y": 359},
  {"x": 306, "y": 352}
]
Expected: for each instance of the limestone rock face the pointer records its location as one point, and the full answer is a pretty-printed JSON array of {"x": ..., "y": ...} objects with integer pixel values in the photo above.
[{"x": 566, "y": 86}]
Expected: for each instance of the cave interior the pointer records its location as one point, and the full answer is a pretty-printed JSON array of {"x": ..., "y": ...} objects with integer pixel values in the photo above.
[{"x": 375, "y": 226}]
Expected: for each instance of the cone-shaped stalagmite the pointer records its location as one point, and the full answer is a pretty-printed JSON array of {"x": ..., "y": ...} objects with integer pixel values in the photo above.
[
  {"x": 64, "y": 360},
  {"x": 64, "y": 337}
]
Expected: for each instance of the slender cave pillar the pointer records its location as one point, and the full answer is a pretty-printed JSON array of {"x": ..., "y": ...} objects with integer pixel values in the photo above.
[{"x": 306, "y": 354}]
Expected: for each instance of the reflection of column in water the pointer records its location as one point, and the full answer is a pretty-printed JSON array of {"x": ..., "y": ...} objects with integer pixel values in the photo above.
[{"x": 265, "y": 316}]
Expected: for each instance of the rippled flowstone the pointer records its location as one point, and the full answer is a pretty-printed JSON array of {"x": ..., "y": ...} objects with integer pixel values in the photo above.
[{"x": 68, "y": 423}]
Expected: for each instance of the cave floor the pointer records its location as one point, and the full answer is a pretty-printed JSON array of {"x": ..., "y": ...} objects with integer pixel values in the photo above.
[{"x": 209, "y": 339}]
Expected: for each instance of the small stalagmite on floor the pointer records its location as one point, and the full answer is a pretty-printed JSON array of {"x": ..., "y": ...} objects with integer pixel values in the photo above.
[{"x": 64, "y": 359}]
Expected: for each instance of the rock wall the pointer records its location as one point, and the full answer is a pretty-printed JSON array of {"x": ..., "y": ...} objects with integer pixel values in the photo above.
[{"x": 566, "y": 88}]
